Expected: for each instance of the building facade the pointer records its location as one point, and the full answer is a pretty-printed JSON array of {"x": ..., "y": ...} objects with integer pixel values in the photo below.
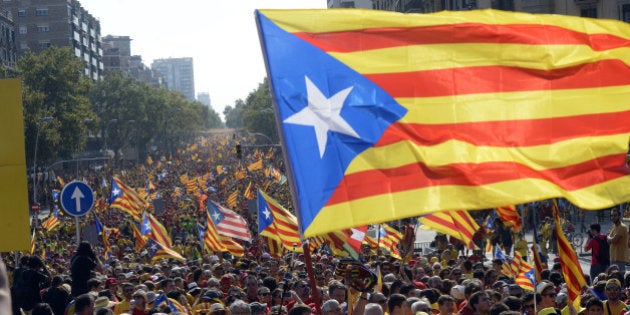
[
  {"x": 116, "y": 52},
  {"x": 8, "y": 44},
  {"x": 602, "y": 9},
  {"x": 204, "y": 98},
  {"x": 62, "y": 23},
  {"x": 178, "y": 75}
]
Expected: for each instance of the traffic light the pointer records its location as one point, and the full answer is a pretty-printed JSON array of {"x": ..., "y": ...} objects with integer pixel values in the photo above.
[{"x": 239, "y": 152}]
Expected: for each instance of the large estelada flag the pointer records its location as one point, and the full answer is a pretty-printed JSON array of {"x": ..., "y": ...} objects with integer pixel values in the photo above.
[{"x": 387, "y": 115}]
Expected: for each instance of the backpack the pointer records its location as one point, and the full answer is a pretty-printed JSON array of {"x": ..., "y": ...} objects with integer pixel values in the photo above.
[{"x": 604, "y": 251}]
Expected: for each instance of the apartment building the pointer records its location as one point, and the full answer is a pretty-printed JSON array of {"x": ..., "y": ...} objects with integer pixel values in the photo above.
[{"x": 62, "y": 23}]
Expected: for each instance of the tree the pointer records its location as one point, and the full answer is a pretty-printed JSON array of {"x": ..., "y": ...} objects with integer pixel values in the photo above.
[
  {"x": 120, "y": 103},
  {"x": 53, "y": 85},
  {"x": 234, "y": 116},
  {"x": 258, "y": 115}
]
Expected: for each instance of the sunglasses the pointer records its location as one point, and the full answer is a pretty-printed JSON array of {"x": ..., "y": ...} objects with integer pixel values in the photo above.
[
  {"x": 265, "y": 293},
  {"x": 550, "y": 295}
]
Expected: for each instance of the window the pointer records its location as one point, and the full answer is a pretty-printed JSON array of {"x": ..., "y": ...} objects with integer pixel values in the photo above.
[
  {"x": 22, "y": 12},
  {"x": 588, "y": 12},
  {"x": 23, "y": 29},
  {"x": 625, "y": 13},
  {"x": 43, "y": 28},
  {"x": 41, "y": 12},
  {"x": 347, "y": 4},
  {"x": 43, "y": 44},
  {"x": 23, "y": 45}
]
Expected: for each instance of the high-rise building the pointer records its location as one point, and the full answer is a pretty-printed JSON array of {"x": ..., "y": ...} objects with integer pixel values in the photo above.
[
  {"x": 204, "y": 98},
  {"x": 62, "y": 23},
  {"x": 8, "y": 48},
  {"x": 178, "y": 75},
  {"x": 116, "y": 52}
]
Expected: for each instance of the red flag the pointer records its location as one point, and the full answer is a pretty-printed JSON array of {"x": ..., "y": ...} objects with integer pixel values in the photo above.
[
  {"x": 228, "y": 222},
  {"x": 571, "y": 269}
]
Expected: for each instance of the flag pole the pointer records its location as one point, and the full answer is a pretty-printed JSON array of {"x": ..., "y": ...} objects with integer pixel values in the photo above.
[
  {"x": 289, "y": 169},
  {"x": 311, "y": 276}
]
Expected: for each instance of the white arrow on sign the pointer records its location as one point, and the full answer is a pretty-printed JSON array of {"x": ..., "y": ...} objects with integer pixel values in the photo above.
[{"x": 77, "y": 195}]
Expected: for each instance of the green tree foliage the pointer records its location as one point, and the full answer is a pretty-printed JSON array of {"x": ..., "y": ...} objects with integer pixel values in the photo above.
[
  {"x": 234, "y": 115},
  {"x": 258, "y": 115},
  {"x": 53, "y": 85},
  {"x": 138, "y": 115}
]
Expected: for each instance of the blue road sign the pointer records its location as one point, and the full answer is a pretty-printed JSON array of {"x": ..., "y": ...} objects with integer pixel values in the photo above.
[{"x": 77, "y": 198}]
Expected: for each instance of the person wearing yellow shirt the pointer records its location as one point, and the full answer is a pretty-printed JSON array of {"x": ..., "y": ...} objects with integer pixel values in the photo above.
[
  {"x": 124, "y": 305},
  {"x": 614, "y": 305},
  {"x": 521, "y": 246}
]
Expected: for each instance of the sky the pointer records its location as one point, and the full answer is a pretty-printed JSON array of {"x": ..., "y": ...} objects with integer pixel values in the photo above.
[{"x": 220, "y": 36}]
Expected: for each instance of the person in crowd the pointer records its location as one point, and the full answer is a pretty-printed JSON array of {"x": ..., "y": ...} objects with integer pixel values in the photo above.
[
  {"x": 82, "y": 264},
  {"x": 125, "y": 305},
  {"x": 239, "y": 307},
  {"x": 618, "y": 240},
  {"x": 594, "y": 244},
  {"x": 613, "y": 305},
  {"x": 396, "y": 305},
  {"x": 57, "y": 296},
  {"x": 373, "y": 309},
  {"x": 479, "y": 303},
  {"x": 26, "y": 288},
  {"x": 547, "y": 292},
  {"x": 84, "y": 304}
]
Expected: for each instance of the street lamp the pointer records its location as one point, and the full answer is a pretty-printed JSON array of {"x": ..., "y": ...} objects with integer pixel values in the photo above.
[{"x": 39, "y": 123}]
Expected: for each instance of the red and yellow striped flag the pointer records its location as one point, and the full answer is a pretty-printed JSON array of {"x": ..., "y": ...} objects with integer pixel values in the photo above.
[
  {"x": 140, "y": 241},
  {"x": 571, "y": 269},
  {"x": 389, "y": 239},
  {"x": 275, "y": 222},
  {"x": 524, "y": 107},
  {"x": 249, "y": 193},
  {"x": 127, "y": 199},
  {"x": 232, "y": 200},
  {"x": 526, "y": 276},
  {"x": 458, "y": 224},
  {"x": 211, "y": 239},
  {"x": 510, "y": 217},
  {"x": 256, "y": 165}
]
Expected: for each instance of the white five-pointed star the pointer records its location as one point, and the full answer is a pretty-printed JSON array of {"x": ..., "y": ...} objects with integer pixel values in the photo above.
[
  {"x": 216, "y": 216},
  {"x": 266, "y": 213},
  {"x": 323, "y": 114},
  {"x": 357, "y": 234},
  {"x": 116, "y": 191}
]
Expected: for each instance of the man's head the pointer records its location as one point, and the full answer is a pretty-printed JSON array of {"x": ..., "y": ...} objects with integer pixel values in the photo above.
[
  {"x": 446, "y": 304},
  {"x": 84, "y": 304},
  {"x": 613, "y": 289},
  {"x": 373, "y": 309},
  {"x": 127, "y": 290},
  {"x": 337, "y": 291},
  {"x": 615, "y": 215},
  {"x": 331, "y": 307},
  {"x": 595, "y": 229},
  {"x": 479, "y": 302},
  {"x": 380, "y": 299},
  {"x": 594, "y": 306},
  {"x": 548, "y": 295},
  {"x": 396, "y": 304}
]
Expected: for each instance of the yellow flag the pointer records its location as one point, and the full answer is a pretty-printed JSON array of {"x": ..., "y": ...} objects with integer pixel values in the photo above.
[{"x": 14, "y": 221}]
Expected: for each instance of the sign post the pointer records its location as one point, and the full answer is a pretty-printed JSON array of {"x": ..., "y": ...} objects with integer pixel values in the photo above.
[{"x": 77, "y": 199}]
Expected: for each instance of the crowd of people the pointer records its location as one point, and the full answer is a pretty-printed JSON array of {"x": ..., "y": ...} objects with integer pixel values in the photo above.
[{"x": 62, "y": 277}]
